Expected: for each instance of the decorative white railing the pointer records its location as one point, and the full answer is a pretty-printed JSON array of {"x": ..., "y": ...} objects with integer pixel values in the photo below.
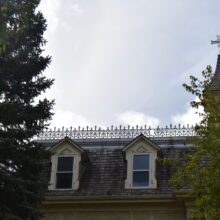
[{"x": 116, "y": 132}]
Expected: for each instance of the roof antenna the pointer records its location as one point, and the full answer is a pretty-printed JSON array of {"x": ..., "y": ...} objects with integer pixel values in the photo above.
[{"x": 216, "y": 42}]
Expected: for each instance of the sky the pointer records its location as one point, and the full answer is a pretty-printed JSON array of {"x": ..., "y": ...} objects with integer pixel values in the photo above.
[{"x": 123, "y": 62}]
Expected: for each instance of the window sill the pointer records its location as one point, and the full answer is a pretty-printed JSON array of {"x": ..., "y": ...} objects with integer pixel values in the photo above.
[
  {"x": 142, "y": 187},
  {"x": 62, "y": 189}
]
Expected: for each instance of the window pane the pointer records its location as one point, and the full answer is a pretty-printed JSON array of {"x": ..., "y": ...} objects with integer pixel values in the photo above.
[
  {"x": 65, "y": 164},
  {"x": 141, "y": 178},
  {"x": 141, "y": 162},
  {"x": 64, "y": 180}
]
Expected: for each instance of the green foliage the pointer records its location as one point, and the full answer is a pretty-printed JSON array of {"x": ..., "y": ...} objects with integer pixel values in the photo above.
[
  {"x": 199, "y": 171},
  {"x": 22, "y": 114}
]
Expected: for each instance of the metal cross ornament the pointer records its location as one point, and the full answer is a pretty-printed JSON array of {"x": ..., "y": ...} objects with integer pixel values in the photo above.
[{"x": 216, "y": 41}]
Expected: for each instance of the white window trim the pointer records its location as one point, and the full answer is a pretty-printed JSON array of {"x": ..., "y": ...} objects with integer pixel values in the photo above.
[
  {"x": 149, "y": 170},
  {"x": 141, "y": 145},
  {"x": 68, "y": 155},
  {"x": 65, "y": 147},
  {"x": 76, "y": 164}
]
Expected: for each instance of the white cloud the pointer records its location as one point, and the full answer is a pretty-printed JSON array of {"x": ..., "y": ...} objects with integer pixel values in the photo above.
[
  {"x": 189, "y": 117},
  {"x": 68, "y": 119},
  {"x": 109, "y": 56},
  {"x": 134, "y": 118},
  {"x": 50, "y": 9},
  {"x": 76, "y": 9}
]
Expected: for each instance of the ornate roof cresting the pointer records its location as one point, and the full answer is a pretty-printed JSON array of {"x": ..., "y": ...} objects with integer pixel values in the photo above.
[{"x": 116, "y": 132}]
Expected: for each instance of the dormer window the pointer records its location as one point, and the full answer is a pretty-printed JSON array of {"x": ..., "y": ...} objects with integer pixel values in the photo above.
[
  {"x": 65, "y": 159},
  {"x": 64, "y": 177},
  {"x": 141, "y": 170},
  {"x": 141, "y": 156}
]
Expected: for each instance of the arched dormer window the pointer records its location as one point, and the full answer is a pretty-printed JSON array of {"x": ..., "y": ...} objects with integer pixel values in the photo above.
[
  {"x": 141, "y": 156},
  {"x": 65, "y": 159}
]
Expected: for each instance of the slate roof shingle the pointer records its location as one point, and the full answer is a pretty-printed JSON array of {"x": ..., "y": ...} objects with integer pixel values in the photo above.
[{"x": 104, "y": 172}]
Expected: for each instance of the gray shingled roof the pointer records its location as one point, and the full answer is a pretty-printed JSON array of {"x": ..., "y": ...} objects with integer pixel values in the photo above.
[{"x": 104, "y": 172}]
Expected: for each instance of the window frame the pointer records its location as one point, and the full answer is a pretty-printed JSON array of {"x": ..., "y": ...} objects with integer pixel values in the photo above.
[
  {"x": 66, "y": 147},
  {"x": 132, "y": 171},
  {"x": 65, "y": 155}
]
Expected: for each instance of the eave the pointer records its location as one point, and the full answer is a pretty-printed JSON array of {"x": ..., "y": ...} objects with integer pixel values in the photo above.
[{"x": 90, "y": 202}]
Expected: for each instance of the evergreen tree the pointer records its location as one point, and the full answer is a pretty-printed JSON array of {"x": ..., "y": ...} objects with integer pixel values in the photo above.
[
  {"x": 22, "y": 114},
  {"x": 200, "y": 171}
]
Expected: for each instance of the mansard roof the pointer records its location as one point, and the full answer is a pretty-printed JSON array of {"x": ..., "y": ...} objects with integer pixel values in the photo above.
[{"x": 104, "y": 173}]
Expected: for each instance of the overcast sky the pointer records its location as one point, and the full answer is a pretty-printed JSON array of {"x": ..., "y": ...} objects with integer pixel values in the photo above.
[{"x": 124, "y": 61}]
